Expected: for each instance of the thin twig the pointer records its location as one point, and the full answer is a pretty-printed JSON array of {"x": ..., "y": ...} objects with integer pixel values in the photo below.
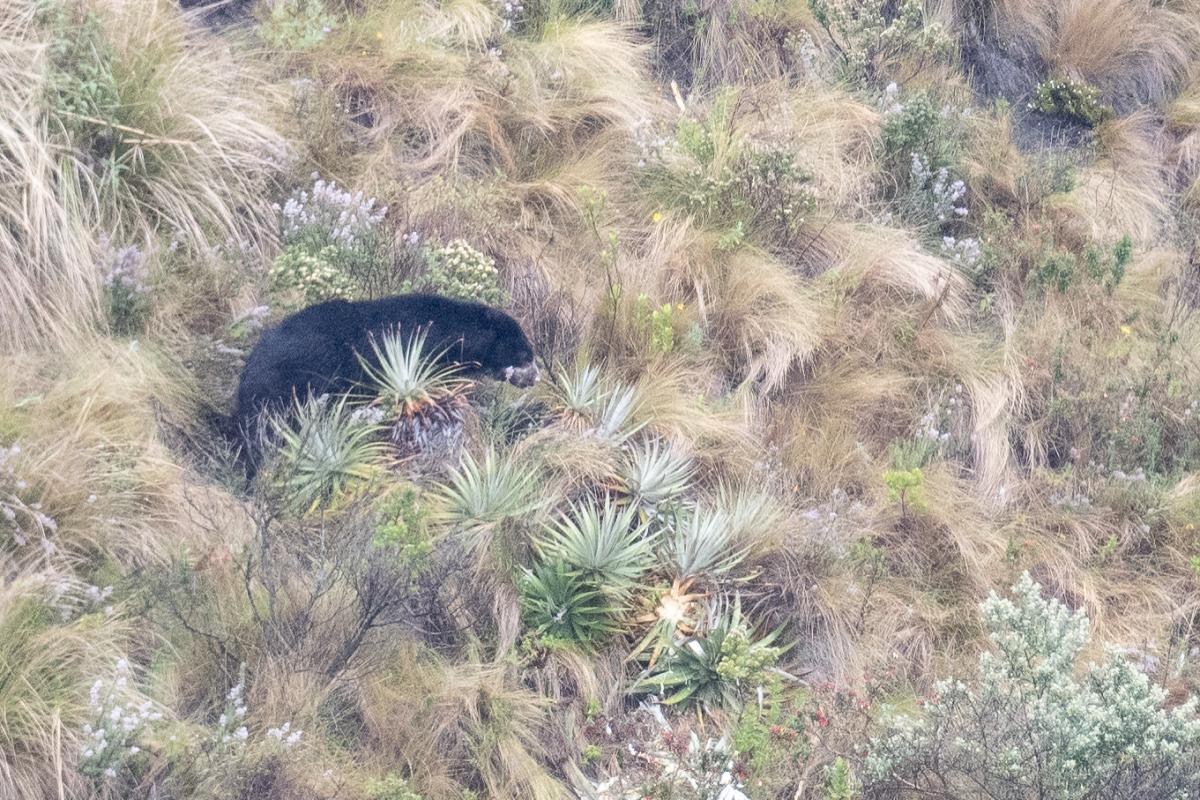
[{"x": 146, "y": 136}]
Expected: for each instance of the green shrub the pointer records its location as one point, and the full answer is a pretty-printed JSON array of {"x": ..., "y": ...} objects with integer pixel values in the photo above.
[
  {"x": 390, "y": 787},
  {"x": 404, "y": 530},
  {"x": 655, "y": 324},
  {"x": 297, "y": 24},
  {"x": 737, "y": 186},
  {"x": 1070, "y": 99},
  {"x": 868, "y": 43},
  {"x": 1057, "y": 271},
  {"x": 459, "y": 270},
  {"x": 1030, "y": 724},
  {"x": 906, "y": 487},
  {"x": 306, "y": 277}
]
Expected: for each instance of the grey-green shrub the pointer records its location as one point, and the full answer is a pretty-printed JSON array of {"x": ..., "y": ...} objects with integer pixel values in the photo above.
[{"x": 1032, "y": 725}]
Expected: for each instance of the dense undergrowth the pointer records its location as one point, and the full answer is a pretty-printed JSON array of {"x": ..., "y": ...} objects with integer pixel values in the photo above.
[{"x": 858, "y": 318}]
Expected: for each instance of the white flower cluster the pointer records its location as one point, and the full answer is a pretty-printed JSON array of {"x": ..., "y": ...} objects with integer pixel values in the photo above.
[
  {"x": 285, "y": 736},
  {"x": 890, "y": 102},
  {"x": 230, "y": 728},
  {"x": 945, "y": 424},
  {"x": 122, "y": 717},
  {"x": 327, "y": 214},
  {"x": 1031, "y": 726},
  {"x": 459, "y": 270},
  {"x": 703, "y": 769},
  {"x": 944, "y": 195},
  {"x": 963, "y": 252},
  {"x": 510, "y": 13}
]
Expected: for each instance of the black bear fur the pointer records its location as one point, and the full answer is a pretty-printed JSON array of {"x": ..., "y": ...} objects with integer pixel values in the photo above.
[{"x": 316, "y": 350}]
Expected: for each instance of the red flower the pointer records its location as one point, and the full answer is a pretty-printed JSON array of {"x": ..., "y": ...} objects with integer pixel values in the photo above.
[{"x": 822, "y": 720}]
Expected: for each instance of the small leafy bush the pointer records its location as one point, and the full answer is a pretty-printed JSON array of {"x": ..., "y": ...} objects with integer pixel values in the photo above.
[
  {"x": 459, "y": 270},
  {"x": 1030, "y": 724},
  {"x": 1073, "y": 100},
  {"x": 404, "y": 530},
  {"x": 390, "y": 787},
  {"x": 333, "y": 242},
  {"x": 738, "y": 186},
  {"x": 869, "y": 44},
  {"x": 309, "y": 277},
  {"x": 297, "y": 24},
  {"x": 125, "y": 276},
  {"x": 655, "y": 324}
]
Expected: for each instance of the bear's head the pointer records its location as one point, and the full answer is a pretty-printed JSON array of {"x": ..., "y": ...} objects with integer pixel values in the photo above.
[{"x": 510, "y": 356}]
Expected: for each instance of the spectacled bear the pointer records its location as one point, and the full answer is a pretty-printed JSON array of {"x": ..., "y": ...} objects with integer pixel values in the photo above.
[{"x": 315, "y": 351}]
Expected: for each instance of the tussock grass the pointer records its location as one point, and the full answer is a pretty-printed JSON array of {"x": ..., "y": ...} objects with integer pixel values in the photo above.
[
  {"x": 100, "y": 470},
  {"x": 1123, "y": 192},
  {"x": 50, "y": 289},
  {"x": 47, "y": 666},
  {"x": 1133, "y": 50},
  {"x": 181, "y": 145}
]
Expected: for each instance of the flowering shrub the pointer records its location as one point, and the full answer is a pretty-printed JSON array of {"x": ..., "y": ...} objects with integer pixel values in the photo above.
[
  {"x": 740, "y": 186},
  {"x": 327, "y": 215},
  {"x": 333, "y": 244},
  {"x": 868, "y": 42},
  {"x": 121, "y": 719},
  {"x": 1030, "y": 726},
  {"x": 459, "y": 270},
  {"x": 1071, "y": 99},
  {"x": 310, "y": 277},
  {"x": 124, "y": 277},
  {"x": 934, "y": 193}
]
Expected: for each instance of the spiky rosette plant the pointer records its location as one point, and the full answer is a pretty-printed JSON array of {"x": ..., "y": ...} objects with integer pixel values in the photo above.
[
  {"x": 655, "y": 473},
  {"x": 562, "y": 607},
  {"x": 323, "y": 451},
  {"x": 713, "y": 670},
  {"x": 672, "y": 615},
  {"x": 420, "y": 399},
  {"x": 605, "y": 543},
  {"x": 588, "y": 402}
]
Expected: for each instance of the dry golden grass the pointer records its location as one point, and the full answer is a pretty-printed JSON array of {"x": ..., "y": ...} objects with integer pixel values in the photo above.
[
  {"x": 47, "y": 666},
  {"x": 1124, "y": 191},
  {"x": 195, "y": 143},
  {"x": 50, "y": 289},
  {"x": 1129, "y": 48},
  {"x": 464, "y": 722},
  {"x": 90, "y": 447}
]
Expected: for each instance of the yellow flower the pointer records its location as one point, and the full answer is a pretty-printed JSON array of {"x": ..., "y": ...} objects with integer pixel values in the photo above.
[
  {"x": 656, "y": 216},
  {"x": 1126, "y": 330},
  {"x": 679, "y": 306},
  {"x": 378, "y": 34}
]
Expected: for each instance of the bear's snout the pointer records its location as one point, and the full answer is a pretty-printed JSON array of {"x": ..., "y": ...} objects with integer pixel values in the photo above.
[{"x": 523, "y": 377}]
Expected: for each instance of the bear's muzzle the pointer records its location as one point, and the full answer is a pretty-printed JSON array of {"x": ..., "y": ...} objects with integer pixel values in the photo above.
[{"x": 523, "y": 377}]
